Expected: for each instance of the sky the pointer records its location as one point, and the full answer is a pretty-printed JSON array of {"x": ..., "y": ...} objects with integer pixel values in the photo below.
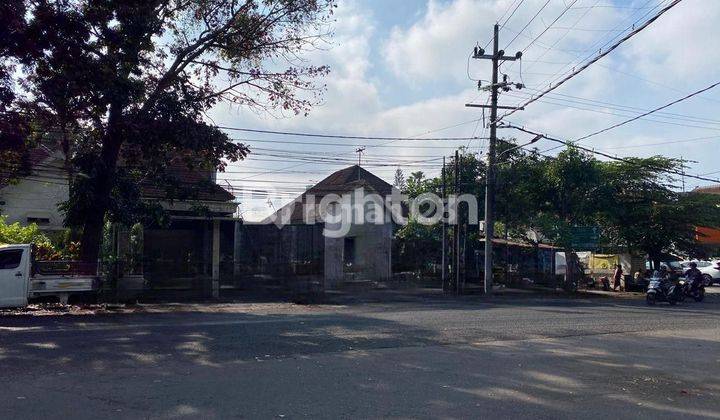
[{"x": 402, "y": 68}]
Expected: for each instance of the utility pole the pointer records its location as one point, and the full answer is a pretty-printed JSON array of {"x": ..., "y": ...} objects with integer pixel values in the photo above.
[
  {"x": 682, "y": 162},
  {"x": 444, "y": 230},
  {"x": 456, "y": 263},
  {"x": 497, "y": 57}
]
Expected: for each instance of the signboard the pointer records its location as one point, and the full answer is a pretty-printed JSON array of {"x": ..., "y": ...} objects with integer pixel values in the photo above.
[{"x": 584, "y": 237}]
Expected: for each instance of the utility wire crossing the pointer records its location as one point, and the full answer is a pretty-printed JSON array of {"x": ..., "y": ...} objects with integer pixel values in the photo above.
[{"x": 594, "y": 60}]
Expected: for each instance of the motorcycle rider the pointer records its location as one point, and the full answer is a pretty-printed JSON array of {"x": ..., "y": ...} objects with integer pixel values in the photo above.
[
  {"x": 664, "y": 277},
  {"x": 693, "y": 276},
  {"x": 662, "y": 273}
]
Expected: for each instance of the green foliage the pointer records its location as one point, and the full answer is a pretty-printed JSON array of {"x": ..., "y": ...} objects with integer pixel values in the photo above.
[
  {"x": 559, "y": 193},
  {"x": 399, "y": 182},
  {"x": 127, "y": 85},
  {"x": 647, "y": 213},
  {"x": 17, "y": 234},
  {"x": 46, "y": 247},
  {"x": 635, "y": 203},
  {"x": 417, "y": 246}
]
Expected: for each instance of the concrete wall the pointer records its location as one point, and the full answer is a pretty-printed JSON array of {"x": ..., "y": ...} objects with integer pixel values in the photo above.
[
  {"x": 333, "y": 262},
  {"x": 37, "y": 196},
  {"x": 373, "y": 253}
]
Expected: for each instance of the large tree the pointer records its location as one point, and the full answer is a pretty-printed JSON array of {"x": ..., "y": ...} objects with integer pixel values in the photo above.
[
  {"x": 124, "y": 85},
  {"x": 646, "y": 213}
]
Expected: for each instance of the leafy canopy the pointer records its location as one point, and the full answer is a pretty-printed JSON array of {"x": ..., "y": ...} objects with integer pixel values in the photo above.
[{"x": 123, "y": 87}]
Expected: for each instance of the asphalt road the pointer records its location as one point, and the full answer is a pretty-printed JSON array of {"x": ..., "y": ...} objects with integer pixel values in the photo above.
[{"x": 424, "y": 358}]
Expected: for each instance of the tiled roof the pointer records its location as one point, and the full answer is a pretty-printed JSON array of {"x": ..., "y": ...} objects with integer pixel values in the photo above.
[{"x": 192, "y": 184}]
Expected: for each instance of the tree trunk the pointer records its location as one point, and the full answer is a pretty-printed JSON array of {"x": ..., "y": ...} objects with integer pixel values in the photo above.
[{"x": 101, "y": 186}]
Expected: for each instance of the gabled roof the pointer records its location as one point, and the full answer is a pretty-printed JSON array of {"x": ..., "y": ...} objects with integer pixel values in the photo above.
[
  {"x": 340, "y": 182},
  {"x": 349, "y": 179}
]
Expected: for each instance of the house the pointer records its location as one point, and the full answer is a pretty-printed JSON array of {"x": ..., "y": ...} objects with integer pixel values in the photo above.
[
  {"x": 356, "y": 245},
  {"x": 34, "y": 197},
  {"x": 185, "y": 253}
]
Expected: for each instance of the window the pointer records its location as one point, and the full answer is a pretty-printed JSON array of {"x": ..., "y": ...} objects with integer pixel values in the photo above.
[
  {"x": 10, "y": 259},
  {"x": 349, "y": 251},
  {"x": 40, "y": 221}
]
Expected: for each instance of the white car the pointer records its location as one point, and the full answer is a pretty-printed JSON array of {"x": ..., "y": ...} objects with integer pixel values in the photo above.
[
  {"x": 700, "y": 264},
  {"x": 711, "y": 273}
]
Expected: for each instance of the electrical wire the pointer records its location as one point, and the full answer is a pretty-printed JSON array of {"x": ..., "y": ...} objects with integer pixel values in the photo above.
[
  {"x": 528, "y": 24},
  {"x": 509, "y": 17},
  {"x": 581, "y": 55},
  {"x": 550, "y": 26},
  {"x": 609, "y": 156},
  {"x": 342, "y": 136},
  {"x": 622, "y": 113},
  {"x": 684, "y": 98},
  {"x": 595, "y": 59}
]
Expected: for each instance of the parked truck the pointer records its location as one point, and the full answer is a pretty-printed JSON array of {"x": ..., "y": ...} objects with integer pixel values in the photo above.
[{"x": 23, "y": 279}]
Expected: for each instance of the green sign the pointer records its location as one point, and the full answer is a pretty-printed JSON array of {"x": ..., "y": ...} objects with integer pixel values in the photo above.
[{"x": 584, "y": 237}]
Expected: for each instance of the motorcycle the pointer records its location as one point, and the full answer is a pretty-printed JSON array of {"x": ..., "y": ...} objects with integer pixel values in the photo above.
[
  {"x": 697, "y": 292},
  {"x": 663, "y": 290}
]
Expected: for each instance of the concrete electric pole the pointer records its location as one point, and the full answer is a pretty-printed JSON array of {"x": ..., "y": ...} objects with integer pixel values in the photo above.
[{"x": 497, "y": 57}]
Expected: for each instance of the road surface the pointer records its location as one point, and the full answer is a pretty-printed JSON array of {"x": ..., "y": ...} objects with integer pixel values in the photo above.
[{"x": 424, "y": 358}]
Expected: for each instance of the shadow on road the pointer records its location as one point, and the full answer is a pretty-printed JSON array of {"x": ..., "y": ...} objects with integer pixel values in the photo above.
[{"x": 411, "y": 363}]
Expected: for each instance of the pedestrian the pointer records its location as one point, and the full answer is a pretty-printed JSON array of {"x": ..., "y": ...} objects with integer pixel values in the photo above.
[{"x": 617, "y": 278}]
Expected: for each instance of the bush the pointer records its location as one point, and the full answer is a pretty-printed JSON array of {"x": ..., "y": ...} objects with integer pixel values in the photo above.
[
  {"x": 44, "y": 248},
  {"x": 18, "y": 234}
]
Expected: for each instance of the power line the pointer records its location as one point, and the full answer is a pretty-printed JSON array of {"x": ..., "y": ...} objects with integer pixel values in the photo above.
[
  {"x": 342, "y": 136},
  {"x": 580, "y": 100},
  {"x": 423, "y": 146},
  {"x": 392, "y": 140},
  {"x": 690, "y": 140},
  {"x": 595, "y": 59},
  {"x": 527, "y": 24},
  {"x": 550, "y": 26},
  {"x": 592, "y": 47},
  {"x": 509, "y": 17},
  {"x": 686, "y": 97},
  {"x": 609, "y": 156},
  {"x": 623, "y": 113},
  {"x": 317, "y": 135}
]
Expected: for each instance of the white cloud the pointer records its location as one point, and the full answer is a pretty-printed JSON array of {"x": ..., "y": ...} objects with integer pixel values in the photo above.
[
  {"x": 437, "y": 46},
  {"x": 681, "y": 46},
  {"x": 433, "y": 51}
]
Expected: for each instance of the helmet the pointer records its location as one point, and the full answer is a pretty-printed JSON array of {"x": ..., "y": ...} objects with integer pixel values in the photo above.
[{"x": 693, "y": 264}]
